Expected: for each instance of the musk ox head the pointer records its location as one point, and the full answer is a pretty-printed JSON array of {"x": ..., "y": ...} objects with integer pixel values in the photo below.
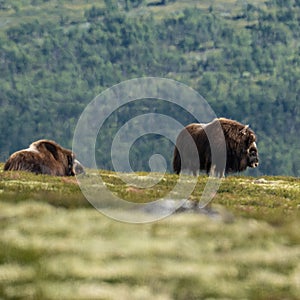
[
  {"x": 252, "y": 156},
  {"x": 45, "y": 157},
  {"x": 241, "y": 146}
]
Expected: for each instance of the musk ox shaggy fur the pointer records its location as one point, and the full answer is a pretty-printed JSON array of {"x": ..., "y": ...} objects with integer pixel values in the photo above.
[
  {"x": 240, "y": 151},
  {"x": 45, "y": 157}
]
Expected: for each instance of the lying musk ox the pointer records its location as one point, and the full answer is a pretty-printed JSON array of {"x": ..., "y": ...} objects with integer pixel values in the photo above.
[
  {"x": 240, "y": 151},
  {"x": 45, "y": 157}
]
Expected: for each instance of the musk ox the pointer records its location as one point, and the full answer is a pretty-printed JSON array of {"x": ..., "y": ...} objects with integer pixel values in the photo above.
[
  {"x": 45, "y": 157},
  {"x": 240, "y": 150}
]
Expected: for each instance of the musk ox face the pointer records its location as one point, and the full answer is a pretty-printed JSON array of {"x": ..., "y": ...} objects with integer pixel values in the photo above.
[
  {"x": 252, "y": 155},
  {"x": 45, "y": 157},
  {"x": 78, "y": 168}
]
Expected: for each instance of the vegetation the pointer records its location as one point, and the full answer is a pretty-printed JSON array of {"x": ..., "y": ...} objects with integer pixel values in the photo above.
[
  {"x": 54, "y": 244},
  {"x": 242, "y": 57}
]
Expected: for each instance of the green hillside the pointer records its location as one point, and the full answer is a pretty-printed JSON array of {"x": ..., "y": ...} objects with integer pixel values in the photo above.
[
  {"x": 55, "y": 245},
  {"x": 241, "y": 56}
]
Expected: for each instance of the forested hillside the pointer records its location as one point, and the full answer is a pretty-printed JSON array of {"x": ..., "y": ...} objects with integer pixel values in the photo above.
[{"x": 241, "y": 56}]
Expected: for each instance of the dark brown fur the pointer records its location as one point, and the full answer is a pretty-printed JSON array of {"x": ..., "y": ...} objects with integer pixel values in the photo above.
[
  {"x": 241, "y": 150},
  {"x": 44, "y": 157}
]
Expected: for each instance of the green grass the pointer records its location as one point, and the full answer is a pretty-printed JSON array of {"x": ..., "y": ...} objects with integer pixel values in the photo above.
[{"x": 55, "y": 245}]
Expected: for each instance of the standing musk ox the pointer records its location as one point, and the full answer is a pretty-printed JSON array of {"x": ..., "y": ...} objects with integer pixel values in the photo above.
[
  {"x": 45, "y": 157},
  {"x": 240, "y": 149}
]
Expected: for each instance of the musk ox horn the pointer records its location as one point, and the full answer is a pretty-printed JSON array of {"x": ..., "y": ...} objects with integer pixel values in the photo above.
[{"x": 244, "y": 130}]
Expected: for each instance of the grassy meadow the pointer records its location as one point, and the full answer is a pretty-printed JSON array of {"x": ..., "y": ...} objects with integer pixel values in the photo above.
[{"x": 55, "y": 245}]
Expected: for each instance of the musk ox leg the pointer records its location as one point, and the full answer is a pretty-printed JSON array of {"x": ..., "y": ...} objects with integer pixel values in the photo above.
[
  {"x": 195, "y": 172},
  {"x": 216, "y": 172},
  {"x": 176, "y": 161},
  {"x": 212, "y": 171}
]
